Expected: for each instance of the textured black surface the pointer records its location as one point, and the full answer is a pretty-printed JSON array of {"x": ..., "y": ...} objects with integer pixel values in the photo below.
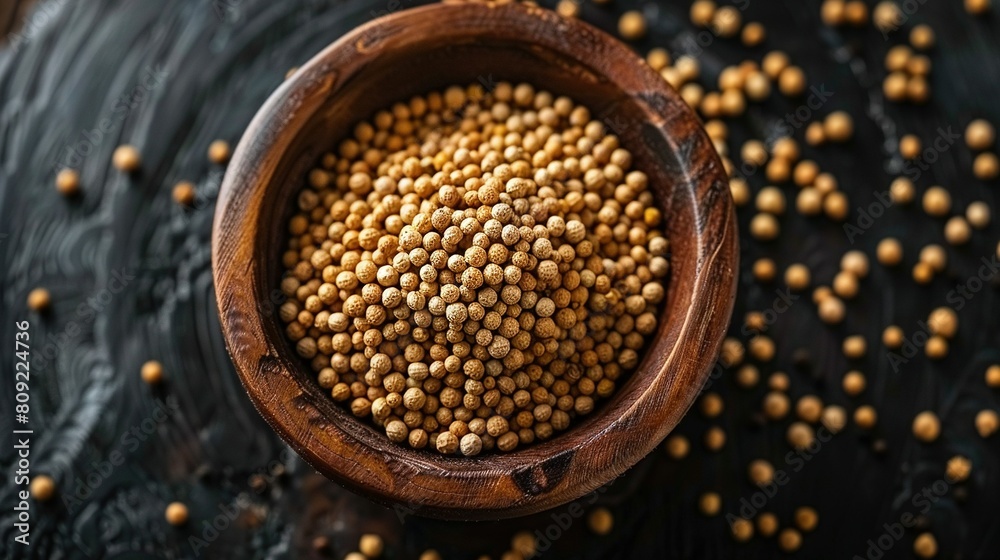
[{"x": 129, "y": 272}]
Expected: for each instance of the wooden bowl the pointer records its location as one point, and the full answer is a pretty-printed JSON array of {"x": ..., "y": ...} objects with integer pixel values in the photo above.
[{"x": 416, "y": 51}]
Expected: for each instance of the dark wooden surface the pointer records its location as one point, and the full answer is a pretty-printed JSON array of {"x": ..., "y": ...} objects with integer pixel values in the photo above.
[
  {"x": 510, "y": 43},
  {"x": 223, "y": 59}
]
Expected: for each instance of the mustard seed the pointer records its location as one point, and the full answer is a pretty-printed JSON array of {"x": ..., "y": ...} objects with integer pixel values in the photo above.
[
  {"x": 987, "y": 423},
  {"x": 600, "y": 521},
  {"x": 68, "y": 182},
  {"x": 925, "y": 545},
  {"x": 152, "y": 372},
  {"x": 459, "y": 299},
  {"x": 702, "y": 12},
  {"x": 760, "y": 472},
  {"x": 865, "y": 417},
  {"x": 980, "y": 135},
  {"x": 39, "y": 300},
  {"x": 677, "y": 446},
  {"x": 715, "y": 438},
  {"x": 709, "y": 504},
  {"x": 742, "y": 530},
  {"x": 886, "y": 16},
  {"x": 993, "y": 376},
  {"x": 632, "y": 25},
  {"x": 790, "y": 540},
  {"x": 176, "y": 514},
  {"x": 909, "y": 146},
  {"x": 854, "y": 383},
  {"x": 834, "y": 418},
  {"x": 889, "y": 252},
  {"x": 958, "y": 469},
  {"x": 986, "y": 166},
  {"x": 926, "y": 426},
  {"x": 806, "y": 518},
  {"x": 797, "y": 277},
  {"x": 922, "y": 37},
  {"x": 370, "y": 545},
  {"x": 183, "y": 193},
  {"x": 800, "y": 435},
  {"x": 767, "y": 524},
  {"x": 42, "y": 487},
  {"x": 838, "y": 126},
  {"x": 753, "y": 34},
  {"x": 218, "y": 152},
  {"x": 126, "y": 158}
]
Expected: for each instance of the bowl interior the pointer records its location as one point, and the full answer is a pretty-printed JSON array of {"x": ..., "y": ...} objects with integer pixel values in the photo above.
[{"x": 381, "y": 64}]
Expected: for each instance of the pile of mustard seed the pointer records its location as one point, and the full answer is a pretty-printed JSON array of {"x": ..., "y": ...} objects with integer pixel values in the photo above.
[{"x": 474, "y": 270}]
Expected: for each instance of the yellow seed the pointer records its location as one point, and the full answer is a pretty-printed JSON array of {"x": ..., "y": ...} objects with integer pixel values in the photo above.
[
  {"x": 126, "y": 158},
  {"x": 218, "y": 152},
  {"x": 792, "y": 81},
  {"x": 39, "y": 300},
  {"x": 709, "y": 504},
  {"x": 183, "y": 193},
  {"x": 958, "y": 469},
  {"x": 922, "y": 37},
  {"x": 702, "y": 12},
  {"x": 838, "y": 126},
  {"x": 68, "y": 182},
  {"x": 370, "y": 545},
  {"x": 986, "y": 166},
  {"x": 764, "y": 227},
  {"x": 925, "y": 545},
  {"x": 977, "y": 7},
  {"x": 632, "y": 25},
  {"x": 937, "y": 201},
  {"x": 980, "y": 135},
  {"x": 892, "y": 337},
  {"x": 987, "y": 422},
  {"x": 152, "y": 372},
  {"x": 753, "y": 34},
  {"x": 790, "y": 540},
  {"x": 176, "y": 513},
  {"x": 600, "y": 521},
  {"x": 767, "y": 524},
  {"x": 806, "y": 518},
  {"x": 926, "y": 426},
  {"x": 865, "y": 417},
  {"x": 742, "y": 530},
  {"x": 889, "y": 252},
  {"x": 993, "y": 376},
  {"x": 797, "y": 277},
  {"x": 677, "y": 446},
  {"x": 42, "y": 487},
  {"x": 909, "y": 146},
  {"x": 957, "y": 231}
]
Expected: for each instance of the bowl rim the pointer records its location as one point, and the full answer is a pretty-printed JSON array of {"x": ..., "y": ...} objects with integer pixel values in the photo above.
[{"x": 462, "y": 488}]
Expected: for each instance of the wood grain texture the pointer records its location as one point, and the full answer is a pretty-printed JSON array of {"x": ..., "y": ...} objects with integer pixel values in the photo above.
[{"x": 415, "y": 51}]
